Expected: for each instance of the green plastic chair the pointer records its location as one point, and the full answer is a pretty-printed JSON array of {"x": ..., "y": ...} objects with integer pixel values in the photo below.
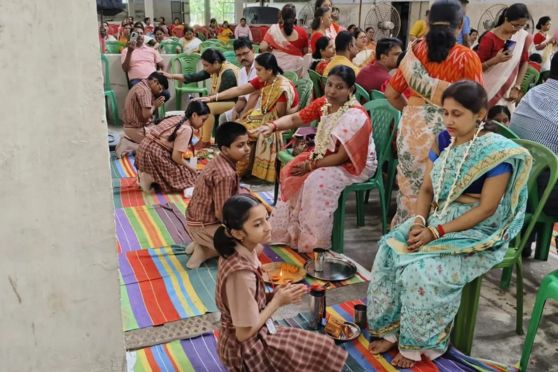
[
  {"x": 376, "y": 94},
  {"x": 547, "y": 290},
  {"x": 109, "y": 93},
  {"x": 361, "y": 94},
  {"x": 231, "y": 57},
  {"x": 170, "y": 46},
  {"x": 317, "y": 81},
  {"x": 185, "y": 64},
  {"x": 256, "y": 48},
  {"x": 292, "y": 76},
  {"x": 114, "y": 47},
  {"x": 211, "y": 44},
  {"x": 505, "y": 131},
  {"x": 465, "y": 320}
]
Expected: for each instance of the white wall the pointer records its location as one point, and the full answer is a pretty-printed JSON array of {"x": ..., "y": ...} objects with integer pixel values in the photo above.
[{"x": 59, "y": 290}]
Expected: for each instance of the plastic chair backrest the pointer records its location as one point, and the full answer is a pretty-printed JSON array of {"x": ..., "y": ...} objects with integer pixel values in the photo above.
[
  {"x": 256, "y": 48},
  {"x": 505, "y": 131},
  {"x": 543, "y": 160},
  {"x": 231, "y": 57},
  {"x": 292, "y": 76},
  {"x": 188, "y": 65},
  {"x": 361, "y": 94},
  {"x": 385, "y": 119},
  {"x": 317, "y": 81},
  {"x": 376, "y": 94},
  {"x": 304, "y": 88},
  {"x": 106, "y": 74},
  {"x": 169, "y": 46},
  {"x": 211, "y": 44},
  {"x": 114, "y": 47}
]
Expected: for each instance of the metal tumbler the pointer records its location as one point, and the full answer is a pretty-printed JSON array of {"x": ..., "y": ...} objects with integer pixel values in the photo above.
[
  {"x": 319, "y": 259},
  {"x": 360, "y": 316}
]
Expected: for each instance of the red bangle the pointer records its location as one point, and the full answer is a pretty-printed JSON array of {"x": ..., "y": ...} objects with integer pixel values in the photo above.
[
  {"x": 274, "y": 126},
  {"x": 441, "y": 230}
]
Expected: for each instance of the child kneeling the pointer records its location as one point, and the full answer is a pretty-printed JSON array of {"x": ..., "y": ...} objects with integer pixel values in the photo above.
[
  {"x": 217, "y": 182},
  {"x": 248, "y": 339}
]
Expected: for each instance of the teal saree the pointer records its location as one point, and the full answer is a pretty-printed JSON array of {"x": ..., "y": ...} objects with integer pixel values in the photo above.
[{"x": 414, "y": 296}]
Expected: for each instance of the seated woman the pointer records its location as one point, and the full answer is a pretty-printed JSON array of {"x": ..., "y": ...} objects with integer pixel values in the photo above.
[
  {"x": 226, "y": 33},
  {"x": 470, "y": 206},
  {"x": 190, "y": 43},
  {"x": 287, "y": 41},
  {"x": 160, "y": 158},
  {"x": 278, "y": 97},
  {"x": 325, "y": 50},
  {"x": 500, "y": 114},
  {"x": 364, "y": 55},
  {"x": 223, "y": 76},
  {"x": 344, "y": 154},
  {"x": 320, "y": 25}
]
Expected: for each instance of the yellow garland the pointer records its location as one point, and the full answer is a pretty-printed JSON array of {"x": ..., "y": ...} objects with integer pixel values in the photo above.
[{"x": 323, "y": 135}]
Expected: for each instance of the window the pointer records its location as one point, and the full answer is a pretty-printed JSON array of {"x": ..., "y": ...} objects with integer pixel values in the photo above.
[{"x": 222, "y": 10}]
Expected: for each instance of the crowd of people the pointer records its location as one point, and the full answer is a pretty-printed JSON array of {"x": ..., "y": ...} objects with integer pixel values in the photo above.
[{"x": 462, "y": 188}]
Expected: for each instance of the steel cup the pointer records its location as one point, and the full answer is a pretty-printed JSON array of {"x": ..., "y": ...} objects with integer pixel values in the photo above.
[
  {"x": 319, "y": 259},
  {"x": 360, "y": 316}
]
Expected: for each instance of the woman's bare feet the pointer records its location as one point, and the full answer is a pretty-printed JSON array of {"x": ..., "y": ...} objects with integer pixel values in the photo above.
[
  {"x": 401, "y": 362},
  {"x": 380, "y": 346}
]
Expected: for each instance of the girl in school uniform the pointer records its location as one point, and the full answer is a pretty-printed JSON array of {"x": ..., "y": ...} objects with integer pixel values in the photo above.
[
  {"x": 248, "y": 339},
  {"x": 160, "y": 157}
]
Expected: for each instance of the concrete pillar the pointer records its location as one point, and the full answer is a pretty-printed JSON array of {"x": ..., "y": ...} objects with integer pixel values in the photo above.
[
  {"x": 207, "y": 11},
  {"x": 149, "y": 9},
  {"x": 60, "y": 307}
]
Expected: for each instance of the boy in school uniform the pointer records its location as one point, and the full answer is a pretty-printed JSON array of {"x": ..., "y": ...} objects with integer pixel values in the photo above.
[{"x": 216, "y": 183}]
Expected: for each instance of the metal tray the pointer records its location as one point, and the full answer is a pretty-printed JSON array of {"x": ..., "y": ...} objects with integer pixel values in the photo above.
[
  {"x": 335, "y": 269},
  {"x": 355, "y": 333}
]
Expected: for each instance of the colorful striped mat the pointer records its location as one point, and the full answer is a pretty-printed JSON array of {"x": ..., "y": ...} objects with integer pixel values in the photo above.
[
  {"x": 157, "y": 287},
  {"x": 128, "y": 194},
  {"x": 150, "y": 226},
  {"x": 195, "y": 354},
  {"x": 124, "y": 167},
  {"x": 182, "y": 355}
]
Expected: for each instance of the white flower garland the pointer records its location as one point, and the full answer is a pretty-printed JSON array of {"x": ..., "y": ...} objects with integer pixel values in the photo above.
[
  {"x": 438, "y": 188},
  {"x": 323, "y": 135}
]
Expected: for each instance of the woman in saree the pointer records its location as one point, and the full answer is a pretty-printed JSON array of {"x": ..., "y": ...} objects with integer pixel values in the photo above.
[
  {"x": 223, "y": 76},
  {"x": 311, "y": 184},
  {"x": 278, "y": 97},
  {"x": 471, "y": 205},
  {"x": 287, "y": 42},
  {"x": 365, "y": 55},
  {"x": 504, "y": 53},
  {"x": 544, "y": 45},
  {"x": 325, "y": 51},
  {"x": 320, "y": 25},
  {"x": 428, "y": 67}
]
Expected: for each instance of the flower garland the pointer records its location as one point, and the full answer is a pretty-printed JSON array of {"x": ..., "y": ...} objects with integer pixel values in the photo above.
[
  {"x": 438, "y": 188},
  {"x": 323, "y": 135},
  {"x": 264, "y": 105}
]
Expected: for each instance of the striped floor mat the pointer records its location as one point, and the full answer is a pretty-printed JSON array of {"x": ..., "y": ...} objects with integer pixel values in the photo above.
[{"x": 200, "y": 353}]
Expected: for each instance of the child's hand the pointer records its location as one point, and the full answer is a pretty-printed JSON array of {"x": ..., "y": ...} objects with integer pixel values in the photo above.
[{"x": 290, "y": 293}]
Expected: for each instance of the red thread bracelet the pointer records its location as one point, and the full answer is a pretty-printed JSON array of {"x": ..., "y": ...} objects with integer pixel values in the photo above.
[{"x": 441, "y": 230}]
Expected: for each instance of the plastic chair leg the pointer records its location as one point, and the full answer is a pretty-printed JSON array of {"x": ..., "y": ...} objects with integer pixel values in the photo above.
[
  {"x": 338, "y": 233},
  {"x": 392, "y": 171},
  {"x": 519, "y": 298},
  {"x": 360, "y": 207},
  {"x": 544, "y": 236},
  {"x": 178, "y": 99},
  {"x": 115, "y": 110},
  {"x": 548, "y": 289},
  {"x": 466, "y": 318},
  {"x": 505, "y": 280},
  {"x": 276, "y": 186}
]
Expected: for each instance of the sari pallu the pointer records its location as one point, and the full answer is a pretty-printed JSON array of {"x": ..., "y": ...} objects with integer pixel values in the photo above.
[
  {"x": 264, "y": 149},
  {"x": 420, "y": 123},
  {"x": 499, "y": 79},
  {"x": 414, "y": 296},
  {"x": 289, "y": 57}
]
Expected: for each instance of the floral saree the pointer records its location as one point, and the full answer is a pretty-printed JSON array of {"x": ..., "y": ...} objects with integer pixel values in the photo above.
[
  {"x": 414, "y": 296},
  {"x": 420, "y": 123},
  {"x": 262, "y": 158},
  {"x": 303, "y": 218}
]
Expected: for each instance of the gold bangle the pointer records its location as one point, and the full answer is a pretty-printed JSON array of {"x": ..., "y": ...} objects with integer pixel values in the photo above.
[{"x": 434, "y": 232}]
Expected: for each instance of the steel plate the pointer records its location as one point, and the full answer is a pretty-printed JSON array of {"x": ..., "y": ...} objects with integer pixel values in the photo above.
[{"x": 335, "y": 269}]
